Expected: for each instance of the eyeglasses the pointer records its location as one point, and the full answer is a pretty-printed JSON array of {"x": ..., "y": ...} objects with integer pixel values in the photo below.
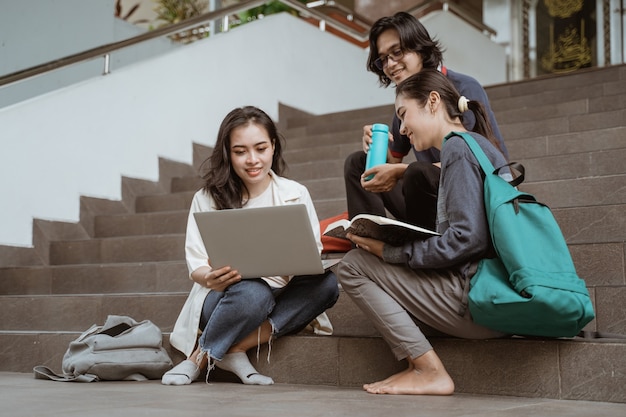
[{"x": 383, "y": 61}]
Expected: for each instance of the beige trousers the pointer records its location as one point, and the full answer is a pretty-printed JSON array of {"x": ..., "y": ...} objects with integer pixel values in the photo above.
[{"x": 405, "y": 304}]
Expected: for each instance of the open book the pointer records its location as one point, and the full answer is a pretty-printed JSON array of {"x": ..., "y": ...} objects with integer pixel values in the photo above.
[{"x": 390, "y": 231}]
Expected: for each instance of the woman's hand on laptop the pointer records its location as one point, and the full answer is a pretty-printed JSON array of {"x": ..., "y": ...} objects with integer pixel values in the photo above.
[{"x": 216, "y": 279}]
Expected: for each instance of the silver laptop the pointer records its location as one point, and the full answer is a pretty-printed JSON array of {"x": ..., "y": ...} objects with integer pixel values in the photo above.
[{"x": 261, "y": 242}]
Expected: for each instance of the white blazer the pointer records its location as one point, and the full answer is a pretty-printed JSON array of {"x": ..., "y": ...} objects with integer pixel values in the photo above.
[{"x": 284, "y": 191}]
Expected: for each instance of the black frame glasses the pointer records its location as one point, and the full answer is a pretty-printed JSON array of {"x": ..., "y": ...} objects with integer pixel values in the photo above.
[{"x": 395, "y": 55}]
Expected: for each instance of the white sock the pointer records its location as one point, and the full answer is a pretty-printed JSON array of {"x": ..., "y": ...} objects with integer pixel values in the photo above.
[
  {"x": 182, "y": 374},
  {"x": 239, "y": 364}
]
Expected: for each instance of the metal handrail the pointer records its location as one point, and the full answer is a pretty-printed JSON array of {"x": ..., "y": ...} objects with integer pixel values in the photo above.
[
  {"x": 351, "y": 15},
  {"x": 345, "y": 29},
  {"x": 458, "y": 10},
  {"x": 105, "y": 50}
]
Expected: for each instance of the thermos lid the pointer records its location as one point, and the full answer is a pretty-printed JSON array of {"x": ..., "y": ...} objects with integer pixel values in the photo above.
[{"x": 380, "y": 127}]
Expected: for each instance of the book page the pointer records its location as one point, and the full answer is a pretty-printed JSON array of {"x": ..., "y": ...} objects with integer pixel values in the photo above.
[{"x": 390, "y": 231}]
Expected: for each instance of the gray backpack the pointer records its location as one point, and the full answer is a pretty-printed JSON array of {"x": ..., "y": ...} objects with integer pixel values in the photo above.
[{"x": 120, "y": 350}]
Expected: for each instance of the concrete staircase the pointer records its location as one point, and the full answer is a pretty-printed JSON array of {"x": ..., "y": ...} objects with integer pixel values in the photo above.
[{"x": 127, "y": 257}]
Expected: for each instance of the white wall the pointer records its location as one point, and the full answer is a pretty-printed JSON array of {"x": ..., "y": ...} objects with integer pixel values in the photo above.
[
  {"x": 81, "y": 139},
  {"x": 466, "y": 49},
  {"x": 33, "y": 32}
]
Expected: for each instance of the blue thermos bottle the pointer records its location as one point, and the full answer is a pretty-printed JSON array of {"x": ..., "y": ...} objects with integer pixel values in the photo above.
[{"x": 377, "y": 153}]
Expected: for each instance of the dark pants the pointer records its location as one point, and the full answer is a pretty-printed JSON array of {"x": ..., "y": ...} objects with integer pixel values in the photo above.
[{"x": 412, "y": 200}]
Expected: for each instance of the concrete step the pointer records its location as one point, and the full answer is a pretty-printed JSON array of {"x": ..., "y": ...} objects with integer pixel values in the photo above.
[
  {"x": 317, "y": 170},
  {"x": 148, "y": 248},
  {"x": 595, "y": 82},
  {"x": 364, "y": 115},
  {"x": 330, "y": 207},
  {"x": 326, "y": 188},
  {"x": 169, "y": 169},
  {"x": 563, "y": 369},
  {"x": 144, "y": 277},
  {"x": 561, "y": 193},
  {"x": 343, "y": 130},
  {"x": 334, "y": 151},
  {"x": 146, "y": 223},
  {"x": 190, "y": 183},
  {"x": 541, "y": 110},
  {"x": 575, "y": 165},
  {"x": 529, "y": 368},
  {"x": 74, "y": 311},
  {"x": 164, "y": 202},
  {"x": 353, "y": 356},
  {"x": 588, "y": 224},
  {"x": 567, "y": 143},
  {"x": 600, "y": 264},
  {"x": 347, "y": 135},
  {"x": 520, "y": 146},
  {"x": 593, "y": 224},
  {"x": 561, "y": 125},
  {"x": 579, "y": 192}
]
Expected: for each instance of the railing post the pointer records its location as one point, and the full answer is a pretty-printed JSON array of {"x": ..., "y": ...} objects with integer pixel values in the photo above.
[
  {"x": 213, "y": 27},
  {"x": 107, "y": 64}
]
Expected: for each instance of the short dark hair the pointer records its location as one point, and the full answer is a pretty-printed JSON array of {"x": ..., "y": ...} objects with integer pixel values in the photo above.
[{"x": 413, "y": 38}]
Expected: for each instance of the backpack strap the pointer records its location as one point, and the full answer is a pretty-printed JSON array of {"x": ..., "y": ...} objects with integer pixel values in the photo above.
[
  {"x": 485, "y": 163},
  {"x": 42, "y": 372},
  {"x": 519, "y": 178}
]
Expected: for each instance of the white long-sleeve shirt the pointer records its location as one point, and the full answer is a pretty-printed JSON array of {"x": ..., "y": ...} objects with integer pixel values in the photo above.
[{"x": 283, "y": 191}]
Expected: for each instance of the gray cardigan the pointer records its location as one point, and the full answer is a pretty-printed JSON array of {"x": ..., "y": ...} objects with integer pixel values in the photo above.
[{"x": 461, "y": 218}]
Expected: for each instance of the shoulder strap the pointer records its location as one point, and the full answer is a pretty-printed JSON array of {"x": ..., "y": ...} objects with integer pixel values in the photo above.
[
  {"x": 485, "y": 163},
  {"x": 42, "y": 372}
]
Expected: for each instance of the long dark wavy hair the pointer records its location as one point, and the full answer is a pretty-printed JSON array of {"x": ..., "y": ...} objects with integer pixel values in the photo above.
[
  {"x": 419, "y": 86},
  {"x": 413, "y": 38},
  {"x": 221, "y": 181}
]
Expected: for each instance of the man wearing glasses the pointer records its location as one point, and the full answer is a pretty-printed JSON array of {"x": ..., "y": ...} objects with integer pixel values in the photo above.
[{"x": 400, "y": 46}]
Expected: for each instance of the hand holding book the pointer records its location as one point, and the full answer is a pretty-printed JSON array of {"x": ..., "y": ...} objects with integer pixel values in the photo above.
[{"x": 388, "y": 230}]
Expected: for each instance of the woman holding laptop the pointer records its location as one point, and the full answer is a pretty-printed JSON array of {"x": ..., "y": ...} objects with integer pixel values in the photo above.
[{"x": 230, "y": 314}]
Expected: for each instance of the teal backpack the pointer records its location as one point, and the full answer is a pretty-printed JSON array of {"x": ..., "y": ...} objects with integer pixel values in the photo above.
[{"x": 531, "y": 288}]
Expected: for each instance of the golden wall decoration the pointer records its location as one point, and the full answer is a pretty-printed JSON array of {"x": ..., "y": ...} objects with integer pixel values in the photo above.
[
  {"x": 566, "y": 35},
  {"x": 569, "y": 52},
  {"x": 563, "y": 8}
]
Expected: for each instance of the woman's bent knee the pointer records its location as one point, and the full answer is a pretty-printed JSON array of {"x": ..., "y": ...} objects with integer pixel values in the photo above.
[{"x": 254, "y": 296}]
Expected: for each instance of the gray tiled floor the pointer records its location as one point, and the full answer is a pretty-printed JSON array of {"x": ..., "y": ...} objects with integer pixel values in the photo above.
[{"x": 22, "y": 395}]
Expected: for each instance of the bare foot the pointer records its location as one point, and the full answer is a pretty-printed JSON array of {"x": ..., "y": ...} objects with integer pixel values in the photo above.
[
  {"x": 389, "y": 380},
  {"x": 425, "y": 376}
]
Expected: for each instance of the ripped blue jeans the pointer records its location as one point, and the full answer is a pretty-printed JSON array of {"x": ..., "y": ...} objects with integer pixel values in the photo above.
[{"x": 229, "y": 316}]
